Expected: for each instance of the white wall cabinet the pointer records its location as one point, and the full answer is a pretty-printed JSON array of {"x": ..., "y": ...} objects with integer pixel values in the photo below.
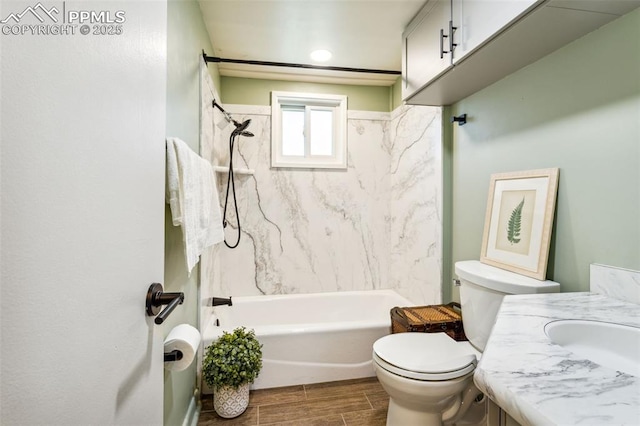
[
  {"x": 422, "y": 60},
  {"x": 478, "y": 20},
  {"x": 444, "y": 31},
  {"x": 493, "y": 39}
]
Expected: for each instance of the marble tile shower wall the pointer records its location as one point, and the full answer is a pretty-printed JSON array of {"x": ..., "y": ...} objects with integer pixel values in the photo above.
[
  {"x": 375, "y": 225},
  {"x": 210, "y": 259}
]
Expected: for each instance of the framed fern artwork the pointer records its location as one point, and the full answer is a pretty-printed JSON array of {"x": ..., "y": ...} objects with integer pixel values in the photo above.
[{"x": 519, "y": 219}]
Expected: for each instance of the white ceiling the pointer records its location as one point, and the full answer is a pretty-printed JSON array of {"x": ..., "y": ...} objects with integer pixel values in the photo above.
[{"x": 359, "y": 33}]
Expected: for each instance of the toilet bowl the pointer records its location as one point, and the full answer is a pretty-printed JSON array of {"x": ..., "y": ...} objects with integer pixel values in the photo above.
[
  {"x": 425, "y": 375},
  {"x": 429, "y": 376}
]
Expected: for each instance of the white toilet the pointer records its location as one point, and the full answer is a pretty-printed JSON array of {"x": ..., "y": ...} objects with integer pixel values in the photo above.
[{"x": 429, "y": 376}]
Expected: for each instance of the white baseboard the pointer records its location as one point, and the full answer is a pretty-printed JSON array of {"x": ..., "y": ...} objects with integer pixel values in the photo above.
[{"x": 193, "y": 413}]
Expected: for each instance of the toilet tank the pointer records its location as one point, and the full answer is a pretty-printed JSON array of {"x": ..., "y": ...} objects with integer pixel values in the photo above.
[{"x": 482, "y": 288}]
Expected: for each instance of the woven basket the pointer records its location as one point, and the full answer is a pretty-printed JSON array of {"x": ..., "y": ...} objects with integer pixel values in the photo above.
[{"x": 429, "y": 319}]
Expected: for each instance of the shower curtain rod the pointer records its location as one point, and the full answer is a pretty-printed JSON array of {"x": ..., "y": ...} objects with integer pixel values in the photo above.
[{"x": 216, "y": 59}]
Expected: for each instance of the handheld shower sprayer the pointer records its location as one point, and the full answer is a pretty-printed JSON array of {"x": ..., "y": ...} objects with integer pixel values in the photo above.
[
  {"x": 240, "y": 127},
  {"x": 240, "y": 130}
]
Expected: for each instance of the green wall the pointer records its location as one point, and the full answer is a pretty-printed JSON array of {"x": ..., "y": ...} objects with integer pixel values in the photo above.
[
  {"x": 577, "y": 109},
  {"x": 251, "y": 91},
  {"x": 396, "y": 94},
  {"x": 186, "y": 39}
]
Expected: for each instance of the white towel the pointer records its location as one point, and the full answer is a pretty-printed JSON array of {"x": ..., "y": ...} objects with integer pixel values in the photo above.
[{"x": 192, "y": 194}]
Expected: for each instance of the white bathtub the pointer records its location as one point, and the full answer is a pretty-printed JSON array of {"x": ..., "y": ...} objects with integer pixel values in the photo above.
[{"x": 310, "y": 338}]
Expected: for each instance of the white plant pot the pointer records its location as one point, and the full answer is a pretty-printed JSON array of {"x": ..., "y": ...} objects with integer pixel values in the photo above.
[{"x": 229, "y": 402}]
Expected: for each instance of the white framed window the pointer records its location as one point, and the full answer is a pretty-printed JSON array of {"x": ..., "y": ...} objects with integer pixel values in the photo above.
[{"x": 308, "y": 130}]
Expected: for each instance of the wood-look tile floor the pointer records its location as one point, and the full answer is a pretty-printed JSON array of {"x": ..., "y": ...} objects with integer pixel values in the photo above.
[{"x": 360, "y": 402}]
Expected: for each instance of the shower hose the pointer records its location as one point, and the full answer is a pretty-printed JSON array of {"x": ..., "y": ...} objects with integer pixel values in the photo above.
[{"x": 231, "y": 184}]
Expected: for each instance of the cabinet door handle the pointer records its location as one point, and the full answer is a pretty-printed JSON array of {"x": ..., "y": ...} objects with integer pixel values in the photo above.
[
  {"x": 452, "y": 30},
  {"x": 452, "y": 45}
]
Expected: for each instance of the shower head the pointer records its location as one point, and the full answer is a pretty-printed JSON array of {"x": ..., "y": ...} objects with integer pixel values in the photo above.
[{"x": 240, "y": 127}]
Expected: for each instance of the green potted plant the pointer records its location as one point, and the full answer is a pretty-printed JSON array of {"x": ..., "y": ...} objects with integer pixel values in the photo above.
[{"x": 230, "y": 365}]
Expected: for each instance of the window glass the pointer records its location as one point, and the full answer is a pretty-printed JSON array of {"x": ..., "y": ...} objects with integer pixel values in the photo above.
[
  {"x": 321, "y": 129},
  {"x": 293, "y": 131}
]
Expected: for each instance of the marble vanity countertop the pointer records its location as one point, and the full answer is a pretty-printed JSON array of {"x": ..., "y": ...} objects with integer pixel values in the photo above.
[{"x": 540, "y": 383}]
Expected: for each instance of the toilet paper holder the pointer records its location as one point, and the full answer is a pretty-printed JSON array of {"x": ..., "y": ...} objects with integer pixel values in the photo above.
[
  {"x": 175, "y": 355},
  {"x": 156, "y": 297}
]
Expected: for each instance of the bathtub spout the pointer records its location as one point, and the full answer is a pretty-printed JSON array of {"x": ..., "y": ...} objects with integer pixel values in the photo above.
[{"x": 217, "y": 301}]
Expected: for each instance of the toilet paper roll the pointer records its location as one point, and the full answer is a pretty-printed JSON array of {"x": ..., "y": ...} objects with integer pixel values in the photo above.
[{"x": 186, "y": 339}]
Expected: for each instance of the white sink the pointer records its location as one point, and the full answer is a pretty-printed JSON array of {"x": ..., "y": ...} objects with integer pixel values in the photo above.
[{"x": 611, "y": 345}]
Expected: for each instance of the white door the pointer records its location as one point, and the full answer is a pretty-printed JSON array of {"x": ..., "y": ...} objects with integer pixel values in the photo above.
[{"x": 82, "y": 207}]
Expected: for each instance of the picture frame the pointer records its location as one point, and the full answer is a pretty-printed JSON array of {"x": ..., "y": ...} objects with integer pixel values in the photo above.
[{"x": 519, "y": 221}]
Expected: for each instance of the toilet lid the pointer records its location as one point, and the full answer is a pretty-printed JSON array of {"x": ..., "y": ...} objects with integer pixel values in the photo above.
[{"x": 425, "y": 356}]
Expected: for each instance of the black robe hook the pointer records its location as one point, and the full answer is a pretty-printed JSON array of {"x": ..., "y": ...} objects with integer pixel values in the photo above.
[{"x": 460, "y": 119}]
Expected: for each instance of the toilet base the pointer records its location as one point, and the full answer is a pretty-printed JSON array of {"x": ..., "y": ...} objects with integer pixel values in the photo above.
[
  {"x": 400, "y": 416},
  {"x": 476, "y": 416},
  {"x": 415, "y": 402}
]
